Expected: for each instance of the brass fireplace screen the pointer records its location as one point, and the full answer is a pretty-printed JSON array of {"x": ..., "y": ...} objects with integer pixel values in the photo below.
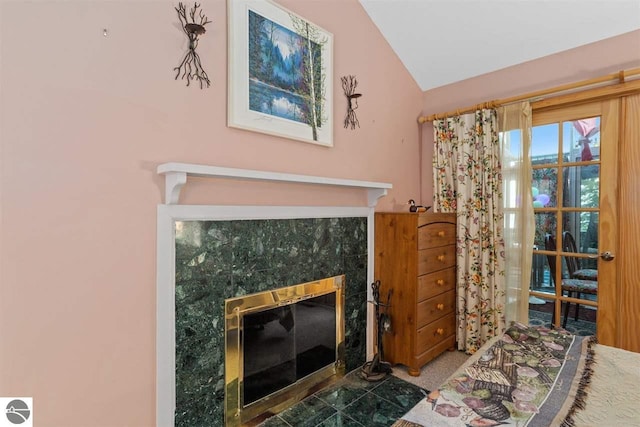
[{"x": 279, "y": 344}]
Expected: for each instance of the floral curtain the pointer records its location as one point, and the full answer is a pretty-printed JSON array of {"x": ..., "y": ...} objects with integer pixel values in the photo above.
[{"x": 467, "y": 179}]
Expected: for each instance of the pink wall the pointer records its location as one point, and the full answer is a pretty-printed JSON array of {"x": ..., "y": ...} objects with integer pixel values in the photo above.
[
  {"x": 585, "y": 62},
  {"x": 85, "y": 120}
]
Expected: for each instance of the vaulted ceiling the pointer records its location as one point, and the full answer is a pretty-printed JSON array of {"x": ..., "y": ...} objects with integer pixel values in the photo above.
[{"x": 445, "y": 41}]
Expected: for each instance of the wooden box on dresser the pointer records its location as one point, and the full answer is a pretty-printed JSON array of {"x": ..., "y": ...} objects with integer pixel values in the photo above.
[{"x": 415, "y": 256}]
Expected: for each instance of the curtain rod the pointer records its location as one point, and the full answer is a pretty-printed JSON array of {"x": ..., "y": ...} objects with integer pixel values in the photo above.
[{"x": 618, "y": 77}]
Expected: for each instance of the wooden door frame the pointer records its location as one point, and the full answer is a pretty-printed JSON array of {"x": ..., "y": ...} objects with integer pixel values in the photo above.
[{"x": 628, "y": 311}]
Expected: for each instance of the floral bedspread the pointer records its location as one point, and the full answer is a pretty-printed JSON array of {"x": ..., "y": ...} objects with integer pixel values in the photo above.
[{"x": 528, "y": 377}]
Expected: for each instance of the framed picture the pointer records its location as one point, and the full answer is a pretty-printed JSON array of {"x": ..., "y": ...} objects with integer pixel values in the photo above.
[{"x": 280, "y": 73}]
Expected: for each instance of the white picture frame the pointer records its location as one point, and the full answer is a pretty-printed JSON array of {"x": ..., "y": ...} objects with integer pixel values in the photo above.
[{"x": 280, "y": 77}]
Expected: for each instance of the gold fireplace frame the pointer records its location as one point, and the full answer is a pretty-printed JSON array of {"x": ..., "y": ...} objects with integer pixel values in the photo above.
[{"x": 235, "y": 308}]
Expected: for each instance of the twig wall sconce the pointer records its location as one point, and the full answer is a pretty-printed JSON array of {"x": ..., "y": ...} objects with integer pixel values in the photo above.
[
  {"x": 191, "y": 68},
  {"x": 349, "y": 84}
]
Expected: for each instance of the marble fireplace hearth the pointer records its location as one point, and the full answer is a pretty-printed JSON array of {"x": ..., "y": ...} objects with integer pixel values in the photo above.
[{"x": 216, "y": 260}]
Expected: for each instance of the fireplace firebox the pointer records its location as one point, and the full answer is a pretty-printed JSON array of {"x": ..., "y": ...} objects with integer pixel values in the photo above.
[{"x": 281, "y": 343}]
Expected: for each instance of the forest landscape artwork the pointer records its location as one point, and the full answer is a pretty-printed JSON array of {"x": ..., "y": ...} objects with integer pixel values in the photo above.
[{"x": 286, "y": 80}]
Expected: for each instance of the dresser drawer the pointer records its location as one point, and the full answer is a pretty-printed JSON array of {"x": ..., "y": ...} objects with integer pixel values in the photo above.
[
  {"x": 437, "y": 234},
  {"x": 435, "y": 332},
  {"x": 432, "y": 284},
  {"x": 436, "y": 307},
  {"x": 430, "y": 260}
]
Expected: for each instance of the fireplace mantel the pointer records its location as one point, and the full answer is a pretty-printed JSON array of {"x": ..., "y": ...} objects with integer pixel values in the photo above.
[
  {"x": 176, "y": 176},
  {"x": 172, "y": 211}
]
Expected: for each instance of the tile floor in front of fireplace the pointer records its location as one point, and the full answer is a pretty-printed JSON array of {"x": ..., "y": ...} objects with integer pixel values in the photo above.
[{"x": 352, "y": 402}]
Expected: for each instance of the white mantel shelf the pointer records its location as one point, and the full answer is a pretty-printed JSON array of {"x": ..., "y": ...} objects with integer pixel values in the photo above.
[{"x": 176, "y": 176}]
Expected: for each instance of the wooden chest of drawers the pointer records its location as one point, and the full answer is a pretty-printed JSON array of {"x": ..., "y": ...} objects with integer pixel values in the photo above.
[{"x": 415, "y": 256}]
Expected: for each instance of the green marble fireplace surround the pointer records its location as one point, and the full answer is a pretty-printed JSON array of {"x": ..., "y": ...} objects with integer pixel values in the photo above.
[{"x": 219, "y": 259}]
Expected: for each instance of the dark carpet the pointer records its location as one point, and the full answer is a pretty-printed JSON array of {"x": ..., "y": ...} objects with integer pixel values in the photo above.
[{"x": 579, "y": 327}]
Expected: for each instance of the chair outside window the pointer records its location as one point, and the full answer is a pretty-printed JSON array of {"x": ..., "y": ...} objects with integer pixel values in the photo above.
[
  {"x": 573, "y": 263},
  {"x": 572, "y": 286}
]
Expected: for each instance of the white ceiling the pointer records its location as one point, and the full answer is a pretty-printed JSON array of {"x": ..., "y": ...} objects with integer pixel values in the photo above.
[{"x": 445, "y": 41}]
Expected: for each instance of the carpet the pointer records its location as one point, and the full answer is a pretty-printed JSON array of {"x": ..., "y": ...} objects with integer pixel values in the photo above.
[
  {"x": 585, "y": 313},
  {"x": 435, "y": 372},
  {"x": 579, "y": 327}
]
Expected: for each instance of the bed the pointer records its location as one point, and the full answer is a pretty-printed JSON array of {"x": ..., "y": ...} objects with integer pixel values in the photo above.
[{"x": 535, "y": 376}]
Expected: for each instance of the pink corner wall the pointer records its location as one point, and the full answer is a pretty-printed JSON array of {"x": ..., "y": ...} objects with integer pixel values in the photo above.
[
  {"x": 85, "y": 120},
  {"x": 593, "y": 60}
]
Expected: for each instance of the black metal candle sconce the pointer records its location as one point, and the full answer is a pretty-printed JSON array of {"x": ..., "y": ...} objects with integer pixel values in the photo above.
[
  {"x": 191, "y": 68},
  {"x": 349, "y": 84}
]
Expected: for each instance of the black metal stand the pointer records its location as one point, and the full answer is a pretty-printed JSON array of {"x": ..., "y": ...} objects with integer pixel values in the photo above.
[{"x": 377, "y": 369}]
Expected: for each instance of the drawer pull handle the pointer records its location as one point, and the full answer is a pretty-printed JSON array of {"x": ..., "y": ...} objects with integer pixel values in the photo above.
[
  {"x": 440, "y": 306},
  {"x": 439, "y": 282},
  {"x": 440, "y": 233},
  {"x": 441, "y": 258},
  {"x": 439, "y": 331}
]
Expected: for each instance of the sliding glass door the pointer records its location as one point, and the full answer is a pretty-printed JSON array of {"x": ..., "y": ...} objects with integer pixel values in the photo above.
[{"x": 574, "y": 157}]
